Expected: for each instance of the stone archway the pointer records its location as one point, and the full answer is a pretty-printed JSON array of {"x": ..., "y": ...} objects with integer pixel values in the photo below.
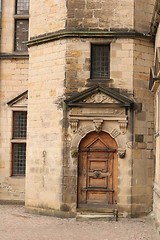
[{"x": 97, "y": 170}]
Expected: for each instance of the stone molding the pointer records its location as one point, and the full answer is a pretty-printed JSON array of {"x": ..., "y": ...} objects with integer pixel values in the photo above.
[
  {"x": 106, "y": 33},
  {"x": 19, "y": 101},
  {"x": 90, "y": 117},
  {"x": 81, "y": 133},
  {"x": 14, "y": 55}
]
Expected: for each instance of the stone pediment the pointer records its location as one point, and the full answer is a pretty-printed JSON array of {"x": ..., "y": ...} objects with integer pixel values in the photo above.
[
  {"x": 99, "y": 96},
  {"x": 19, "y": 101}
]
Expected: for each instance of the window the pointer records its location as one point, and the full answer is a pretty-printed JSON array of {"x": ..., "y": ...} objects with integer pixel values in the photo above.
[
  {"x": 19, "y": 143},
  {"x": 22, "y": 7},
  {"x": 100, "y": 62},
  {"x": 21, "y": 25}
]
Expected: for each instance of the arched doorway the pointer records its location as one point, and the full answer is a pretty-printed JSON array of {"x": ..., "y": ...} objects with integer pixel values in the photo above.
[{"x": 97, "y": 170}]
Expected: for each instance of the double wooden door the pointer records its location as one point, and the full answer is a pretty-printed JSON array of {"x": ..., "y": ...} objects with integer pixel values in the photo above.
[{"x": 97, "y": 170}]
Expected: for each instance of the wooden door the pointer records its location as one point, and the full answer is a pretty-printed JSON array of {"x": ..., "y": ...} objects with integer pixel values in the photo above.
[{"x": 97, "y": 170}]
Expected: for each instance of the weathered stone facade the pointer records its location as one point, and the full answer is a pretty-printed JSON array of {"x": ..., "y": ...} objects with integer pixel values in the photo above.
[
  {"x": 65, "y": 103},
  {"x": 155, "y": 88}
]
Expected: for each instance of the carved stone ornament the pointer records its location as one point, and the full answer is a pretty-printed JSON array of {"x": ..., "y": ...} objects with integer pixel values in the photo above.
[
  {"x": 100, "y": 98},
  {"x": 81, "y": 132},
  {"x": 122, "y": 153},
  {"x": 129, "y": 145},
  {"x": 74, "y": 153},
  {"x": 74, "y": 125},
  {"x": 98, "y": 125},
  {"x": 123, "y": 126},
  {"x": 115, "y": 133}
]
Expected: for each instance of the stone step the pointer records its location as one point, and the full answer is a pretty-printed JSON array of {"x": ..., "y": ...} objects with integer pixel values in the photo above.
[
  {"x": 87, "y": 216},
  {"x": 99, "y": 210}
]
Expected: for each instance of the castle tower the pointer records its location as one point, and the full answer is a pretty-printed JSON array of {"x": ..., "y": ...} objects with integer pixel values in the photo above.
[
  {"x": 89, "y": 110},
  {"x": 95, "y": 54}
]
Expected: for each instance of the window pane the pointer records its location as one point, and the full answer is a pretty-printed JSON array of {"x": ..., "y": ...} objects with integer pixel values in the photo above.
[
  {"x": 20, "y": 125},
  {"x": 100, "y": 61},
  {"x": 19, "y": 158},
  {"x": 21, "y": 35},
  {"x": 22, "y": 7}
]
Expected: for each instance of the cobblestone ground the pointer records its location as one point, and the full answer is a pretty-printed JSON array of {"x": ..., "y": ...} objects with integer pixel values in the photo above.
[{"x": 15, "y": 224}]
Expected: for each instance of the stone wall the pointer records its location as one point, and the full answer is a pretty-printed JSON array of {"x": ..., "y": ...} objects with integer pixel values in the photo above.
[
  {"x": 48, "y": 16},
  {"x": 7, "y": 24},
  {"x": 14, "y": 77},
  {"x": 143, "y": 15},
  {"x": 156, "y": 189},
  {"x": 14, "y": 80},
  {"x": 79, "y": 64},
  {"x": 45, "y": 125},
  {"x": 143, "y": 163},
  {"x": 100, "y": 14}
]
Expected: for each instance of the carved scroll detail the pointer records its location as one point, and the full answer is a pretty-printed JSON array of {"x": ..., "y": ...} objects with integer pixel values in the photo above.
[
  {"x": 123, "y": 126},
  {"x": 98, "y": 125},
  {"x": 74, "y": 125}
]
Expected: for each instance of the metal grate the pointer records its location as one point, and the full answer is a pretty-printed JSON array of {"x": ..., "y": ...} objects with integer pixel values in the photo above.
[
  {"x": 20, "y": 125},
  {"x": 19, "y": 158},
  {"x": 22, "y": 7},
  {"x": 100, "y": 61},
  {"x": 21, "y": 35}
]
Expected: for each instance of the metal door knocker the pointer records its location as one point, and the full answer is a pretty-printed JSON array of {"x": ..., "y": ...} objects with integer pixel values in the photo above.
[{"x": 97, "y": 174}]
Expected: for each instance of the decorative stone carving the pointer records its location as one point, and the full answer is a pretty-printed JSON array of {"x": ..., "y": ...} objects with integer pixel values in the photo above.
[
  {"x": 74, "y": 153},
  {"x": 100, "y": 98},
  {"x": 122, "y": 153},
  {"x": 81, "y": 132},
  {"x": 123, "y": 126},
  {"x": 74, "y": 125},
  {"x": 115, "y": 133},
  {"x": 98, "y": 125},
  {"x": 129, "y": 145}
]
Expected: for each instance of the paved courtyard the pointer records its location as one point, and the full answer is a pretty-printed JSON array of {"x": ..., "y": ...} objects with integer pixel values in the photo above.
[{"x": 15, "y": 224}]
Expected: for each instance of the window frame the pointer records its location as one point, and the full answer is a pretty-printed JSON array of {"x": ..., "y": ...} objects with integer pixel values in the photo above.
[
  {"x": 16, "y": 18},
  {"x": 13, "y": 129},
  {"x": 17, "y": 140},
  {"x": 91, "y": 67}
]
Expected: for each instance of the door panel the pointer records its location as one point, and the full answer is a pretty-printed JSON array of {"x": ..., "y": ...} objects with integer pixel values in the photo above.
[{"x": 97, "y": 178}]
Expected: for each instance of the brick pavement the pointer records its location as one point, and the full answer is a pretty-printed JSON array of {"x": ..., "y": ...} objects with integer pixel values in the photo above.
[{"x": 15, "y": 224}]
